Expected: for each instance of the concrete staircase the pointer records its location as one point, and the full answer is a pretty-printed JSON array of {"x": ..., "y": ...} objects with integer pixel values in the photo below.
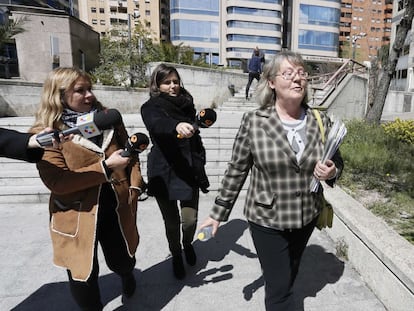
[{"x": 20, "y": 182}]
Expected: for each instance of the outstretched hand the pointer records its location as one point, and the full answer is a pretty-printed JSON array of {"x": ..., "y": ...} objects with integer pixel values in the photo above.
[{"x": 33, "y": 143}]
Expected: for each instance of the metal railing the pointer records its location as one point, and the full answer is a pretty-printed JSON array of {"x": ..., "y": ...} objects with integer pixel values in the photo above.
[{"x": 323, "y": 85}]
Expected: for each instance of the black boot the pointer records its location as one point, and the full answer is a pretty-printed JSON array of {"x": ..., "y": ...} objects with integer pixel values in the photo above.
[
  {"x": 190, "y": 255},
  {"x": 178, "y": 266}
]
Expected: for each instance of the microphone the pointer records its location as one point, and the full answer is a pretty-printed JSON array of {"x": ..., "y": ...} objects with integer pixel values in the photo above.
[
  {"x": 205, "y": 118},
  {"x": 136, "y": 143},
  {"x": 88, "y": 125}
]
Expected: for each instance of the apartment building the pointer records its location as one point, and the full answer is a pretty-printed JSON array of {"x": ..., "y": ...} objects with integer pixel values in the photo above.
[
  {"x": 365, "y": 27},
  {"x": 105, "y": 15}
]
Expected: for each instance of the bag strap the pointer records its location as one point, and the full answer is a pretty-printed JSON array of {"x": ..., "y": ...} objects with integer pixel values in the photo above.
[{"x": 321, "y": 128}]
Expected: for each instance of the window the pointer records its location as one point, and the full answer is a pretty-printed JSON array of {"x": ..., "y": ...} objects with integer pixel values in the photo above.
[
  {"x": 101, "y": 10},
  {"x": 93, "y": 10},
  {"x": 94, "y": 21},
  {"x": 318, "y": 40},
  {"x": 102, "y": 22},
  {"x": 194, "y": 30}
]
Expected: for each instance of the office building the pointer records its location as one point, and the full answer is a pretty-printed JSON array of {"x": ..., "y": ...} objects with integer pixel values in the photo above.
[
  {"x": 314, "y": 27},
  {"x": 197, "y": 24},
  {"x": 226, "y": 32}
]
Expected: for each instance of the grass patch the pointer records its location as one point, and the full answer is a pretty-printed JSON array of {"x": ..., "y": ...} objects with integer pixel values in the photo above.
[{"x": 379, "y": 172}]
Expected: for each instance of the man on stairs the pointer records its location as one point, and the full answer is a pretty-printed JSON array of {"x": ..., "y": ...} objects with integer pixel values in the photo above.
[{"x": 255, "y": 69}]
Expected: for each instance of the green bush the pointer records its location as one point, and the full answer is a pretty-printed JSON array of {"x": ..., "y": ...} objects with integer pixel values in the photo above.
[{"x": 402, "y": 130}]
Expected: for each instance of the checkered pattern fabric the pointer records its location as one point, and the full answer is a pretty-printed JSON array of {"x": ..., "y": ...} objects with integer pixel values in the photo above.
[{"x": 278, "y": 195}]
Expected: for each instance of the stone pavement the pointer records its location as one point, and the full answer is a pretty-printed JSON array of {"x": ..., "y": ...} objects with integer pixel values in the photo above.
[{"x": 226, "y": 277}]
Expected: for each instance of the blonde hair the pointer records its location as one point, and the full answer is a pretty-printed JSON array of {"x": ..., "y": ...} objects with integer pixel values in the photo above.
[
  {"x": 265, "y": 95},
  {"x": 52, "y": 102}
]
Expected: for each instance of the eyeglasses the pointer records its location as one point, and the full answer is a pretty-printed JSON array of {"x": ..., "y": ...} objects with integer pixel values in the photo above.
[{"x": 291, "y": 74}]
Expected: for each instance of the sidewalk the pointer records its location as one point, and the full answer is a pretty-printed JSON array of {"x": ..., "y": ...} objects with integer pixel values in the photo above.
[{"x": 226, "y": 277}]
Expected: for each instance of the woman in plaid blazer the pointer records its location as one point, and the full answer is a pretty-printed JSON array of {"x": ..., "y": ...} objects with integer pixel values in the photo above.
[{"x": 280, "y": 143}]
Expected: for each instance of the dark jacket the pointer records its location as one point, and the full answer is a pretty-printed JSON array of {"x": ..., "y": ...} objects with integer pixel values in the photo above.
[
  {"x": 175, "y": 166},
  {"x": 255, "y": 64},
  {"x": 14, "y": 145}
]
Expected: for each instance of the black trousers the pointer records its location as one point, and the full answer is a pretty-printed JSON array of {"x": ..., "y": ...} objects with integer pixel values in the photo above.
[
  {"x": 86, "y": 294},
  {"x": 176, "y": 220},
  {"x": 252, "y": 75},
  {"x": 279, "y": 253}
]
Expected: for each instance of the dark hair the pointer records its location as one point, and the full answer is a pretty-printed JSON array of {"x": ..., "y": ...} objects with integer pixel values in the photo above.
[{"x": 158, "y": 75}]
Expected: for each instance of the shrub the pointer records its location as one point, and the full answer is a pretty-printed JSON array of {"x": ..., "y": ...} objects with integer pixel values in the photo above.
[{"x": 402, "y": 130}]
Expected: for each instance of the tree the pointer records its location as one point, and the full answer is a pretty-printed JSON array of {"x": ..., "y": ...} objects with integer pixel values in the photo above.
[
  {"x": 113, "y": 59},
  {"x": 11, "y": 28},
  {"x": 124, "y": 61},
  {"x": 374, "y": 114}
]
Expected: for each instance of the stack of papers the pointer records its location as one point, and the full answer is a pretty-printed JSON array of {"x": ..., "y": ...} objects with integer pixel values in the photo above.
[{"x": 334, "y": 140}]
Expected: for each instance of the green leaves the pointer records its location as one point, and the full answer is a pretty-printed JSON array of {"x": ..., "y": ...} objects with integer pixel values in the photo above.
[{"x": 123, "y": 62}]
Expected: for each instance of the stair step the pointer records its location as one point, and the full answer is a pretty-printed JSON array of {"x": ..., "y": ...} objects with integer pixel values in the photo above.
[{"x": 20, "y": 181}]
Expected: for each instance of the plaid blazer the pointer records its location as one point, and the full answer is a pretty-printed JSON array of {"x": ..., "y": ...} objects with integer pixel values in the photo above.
[{"x": 278, "y": 195}]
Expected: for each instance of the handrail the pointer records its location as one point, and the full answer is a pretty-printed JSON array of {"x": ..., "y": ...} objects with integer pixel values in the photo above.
[{"x": 331, "y": 80}]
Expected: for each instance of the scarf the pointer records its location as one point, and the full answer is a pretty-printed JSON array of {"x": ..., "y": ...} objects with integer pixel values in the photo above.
[
  {"x": 179, "y": 107},
  {"x": 69, "y": 118}
]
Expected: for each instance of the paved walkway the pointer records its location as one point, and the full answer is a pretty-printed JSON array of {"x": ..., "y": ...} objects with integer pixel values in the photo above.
[{"x": 227, "y": 275}]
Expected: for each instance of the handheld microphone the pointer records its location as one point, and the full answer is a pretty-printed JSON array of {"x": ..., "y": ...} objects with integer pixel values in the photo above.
[
  {"x": 136, "y": 143},
  {"x": 88, "y": 125},
  {"x": 205, "y": 118}
]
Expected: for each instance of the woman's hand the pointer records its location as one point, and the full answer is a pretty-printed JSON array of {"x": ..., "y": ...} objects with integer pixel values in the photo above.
[
  {"x": 325, "y": 171},
  {"x": 210, "y": 222},
  {"x": 56, "y": 144},
  {"x": 116, "y": 161},
  {"x": 184, "y": 130}
]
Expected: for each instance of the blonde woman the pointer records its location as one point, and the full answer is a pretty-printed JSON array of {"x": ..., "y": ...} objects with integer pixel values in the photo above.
[{"x": 94, "y": 190}]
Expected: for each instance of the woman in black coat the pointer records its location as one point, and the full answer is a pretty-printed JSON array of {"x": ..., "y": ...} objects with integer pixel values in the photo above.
[{"x": 176, "y": 161}]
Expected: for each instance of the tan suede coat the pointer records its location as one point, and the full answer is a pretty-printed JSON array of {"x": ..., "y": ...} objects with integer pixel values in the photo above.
[{"x": 74, "y": 175}]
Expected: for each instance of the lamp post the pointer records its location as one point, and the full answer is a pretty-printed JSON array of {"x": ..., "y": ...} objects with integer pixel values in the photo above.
[
  {"x": 131, "y": 76},
  {"x": 355, "y": 38}
]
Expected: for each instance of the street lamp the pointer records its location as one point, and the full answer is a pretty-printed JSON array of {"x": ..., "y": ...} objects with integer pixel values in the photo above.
[
  {"x": 355, "y": 38},
  {"x": 134, "y": 16}
]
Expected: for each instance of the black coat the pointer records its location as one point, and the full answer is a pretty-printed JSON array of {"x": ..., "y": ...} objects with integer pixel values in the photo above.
[
  {"x": 175, "y": 166},
  {"x": 14, "y": 145}
]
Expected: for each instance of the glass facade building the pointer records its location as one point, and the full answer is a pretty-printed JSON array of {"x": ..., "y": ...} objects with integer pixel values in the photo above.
[
  {"x": 196, "y": 24},
  {"x": 225, "y": 32}
]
